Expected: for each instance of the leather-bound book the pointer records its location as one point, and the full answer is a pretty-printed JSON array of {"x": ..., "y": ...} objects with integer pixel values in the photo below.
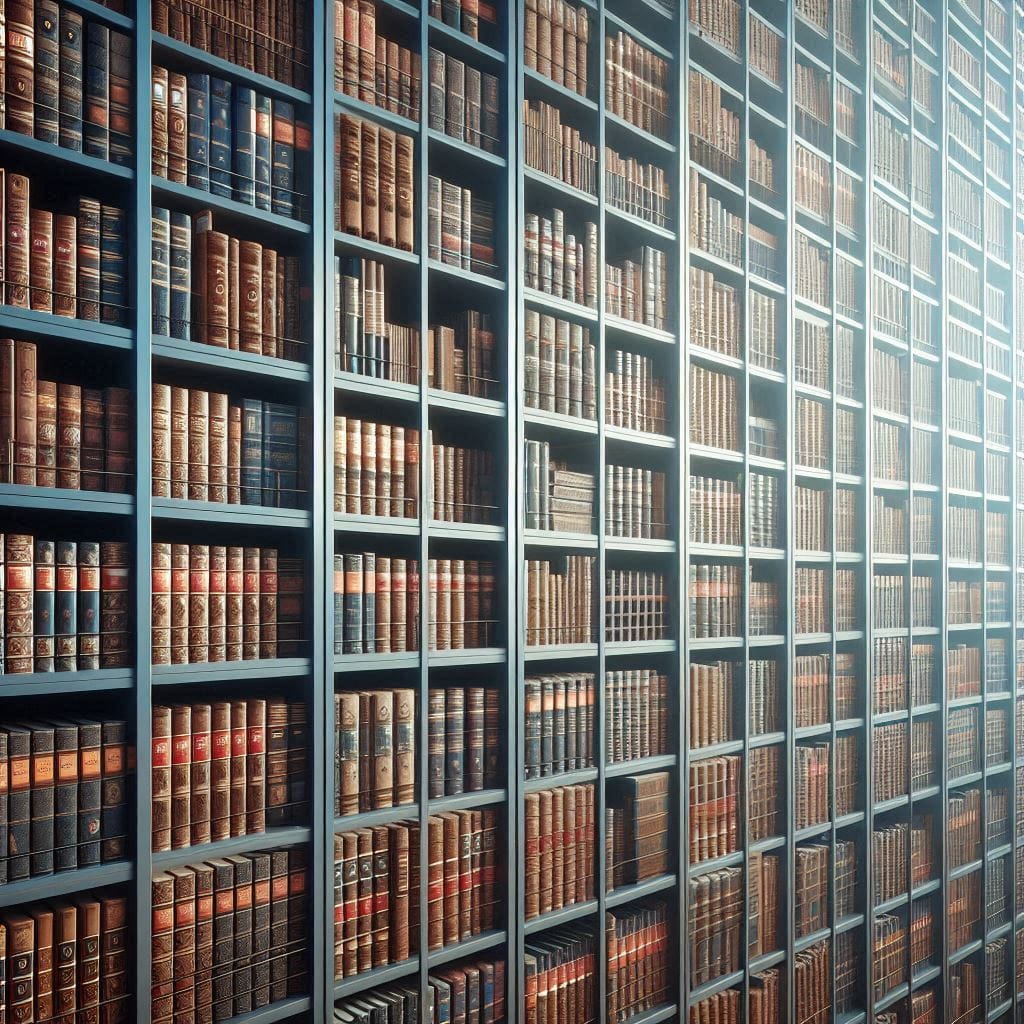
[
  {"x": 88, "y": 955},
  {"x": 25, "y": 413},
  {"x": 278, "y": 924},
  {"x": 234, "y": 293},
  {"x": 8, "y": 390},
  {"x": 404, "y": 746},
  {"x": 380, "y": 918},
  {"x": 4, "y": 794},
  {"x": 120, "y": 98},
  {"x": 282, "y": 173},
  {"x": 349, "y": 216},
  {"x": 474, "y": 739},
  {"x": 198, "y": 144},
  {"x": 251, "y": 623},
  {"x": 217, "y": 446},
  {"x": 455, "y": 748},
  {"x": 88, "y": 234},
  {"x": 184, "y": 942},
  {"x": 217, "y": 603},
  {"x": 161, "y": 454},
  {"x": 255, "y": 766},
  {"x": 261, "y": 884},
  {"x": 43, "y": 606},
  {"x": 298, "y": 761},
  {"x": 198, "y": 603},
  {"x": 93, "y": 453},
  {"x": 114, "y": 600},
  {"x": 41, "y": 261},
  {"x": 350, "y": 900},
  {"x": 18, "y": 601},
  {"x": 382, "y": 771},
  {"x": 17, "y": 237},
  {"x": 263, "y": 151},
  {"x": 119, "y": 441},
  {"x": 46, "y": 434},
  {"x": 276, "y": 781},
  {"x": 364, "y": 927},
  {"x": 177, "y": 127},
  {"x": 243, "y": 150},
  {"x": 220, "y": 770},
  {"x": 239, "y": 743},
  {"x": 268, "y": 603},
  {"x": 181, "y": 751},
  {"x": 198, "y": 444},
  {"x": 223, "y": 938},
  {"x": 179, "y": 445},
  {"x": 253, "y": 297},
  {"x": 162, "y": 945},
  {"x": 88, "y": 602},
  {"x": 69, "y": 436},
  {"x": 212, "y": 313},
  {"x": 162, "y": 587},
  {"x": 405, "y": 192},
  {"x": 19, "y": 806},
  {"x": 180, "y": 278},
  {"x": 243, "y": 927},
  {"x": 65, "y": 943},
  {"x": 203, "y": 943},
  {"x": 369, "y": 185},
  {"x": 399, "y": 852},
  {"x": 298, "y": 917},
  {"x": 235, "y": 598},
  {"x": 20, "y": 78},
  {"x": 159, "y": 100},
  {"x": 220, "y": 111},
  {"x": 65, "y": 796},
  {"x": 388, "y": 197},
  {"x": 199, "y": 775},
  {"x": 451, "y": 907},
  {"x": 41, "y": 800},
  {"x": 269, "y": 341},
  {"x": 347, "y": 725},
  {"x": 96, "y": 114}
]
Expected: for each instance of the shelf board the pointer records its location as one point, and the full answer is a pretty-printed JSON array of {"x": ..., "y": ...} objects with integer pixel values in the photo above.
[
  {"x": 349, "y": 987},
  {"x": 194, "y": 200},
  {"x": 65, "y": 883},
  {"x": 28, "y": 323},
  {"x": 560, "y": 652},
  {"x": 638, "y": 890},
  {"x": 223, "y": 514},
  {"x": 203, "y": 673},
  {"x": 268, "y": 840},
  {"x": 344, "y": 663},
  {"x": 375, "y": 250},
  {"x": 63, "y": 499},
  {"x": 473, "y": 946},
  {"x": 466, "y": 801},
  {"x": 283, "y": 1009},
  {"x": 557, "y": 94},
  {"x": 379, "y": 816},
  {"x": 572, "y": 778},
  {"x": 378, "y": 526},
  {"x": 192, "y": 58},
  {"x": 532, "y": 177},
  {"x": 465, "y": 276},
  {"x": 471, "y": 49},
  {"x": 373, "y": 112},
  {"x": 67, "y": 161},
  {"x": 560, "y": 917},
  {"x": 30, "y": 684},
  {"x": 193, "y": 354}
]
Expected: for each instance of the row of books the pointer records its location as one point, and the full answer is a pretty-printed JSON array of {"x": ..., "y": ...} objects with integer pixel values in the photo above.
[
  {"x": 231, "y": 141},
  {"x": 272, "y": 39},
  {"x": 559, "y": 601},
  {"x": 634, "y": 395},
  {"x": 636, "y": 288},
  {"x": 637, "y": 605},
  {"x": 716, "y": 319},
  {"x": 557, "y": 496},
  {"x": 555, "y": 39},
  {"x": 207, "y": 447},
  {"x": 638, "y": 832},
  {"x": 460, "y": 227},
  {"x": 60, "y": 435},
  {"x": 217, "y": 603},
  {"x": 559, "y": 262},
  {"x": 635, "y": 502},
  {"x": 376, "y": 605},
  {"x": 715, "y": 922},
  {"x": 464, "y": 483},
  {"x": 463, "y": 102},
  {"x": 461, "y": 356},
  {"x": 713, "y": 408},
  {"x": 63, "y": 795},
  {"x": 559, "y": 723},
  {"x": 374, "y": 191},
  {"x": 559, "y": 366},
  {"x": 376, "y": 468},
  {"x": 558, "y": 866},
  {"x": 557, "y": 148},
  {"x": 714, "y": 130},
  {"x": 227, "y": 768},
  {"x": 714, "y": 807},
  {"x": 451, "y": 994},
  {"x": 69, "y": 262},
  {"x": 637, "y": 188},
  {"x": 230, "y": 934},
  {"x": 638, "y": 943},
  {"x": 68, "y": 81},
  {"x": 370, "y": 67},
  {"x": 217, "y": 289},
  {"x": 66, "y": 604},
  {"x": 714, "y": 229},
  {"x": 637, "y": 84},
  {"x": 67, "y": 957}
]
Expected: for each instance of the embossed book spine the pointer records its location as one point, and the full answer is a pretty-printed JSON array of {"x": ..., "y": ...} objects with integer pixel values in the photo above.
[
  {"x": 20, "y": 84},
  {"x": 184, "y": 942},
  {"x": 17, "y": 238},
  {"x": 114, "y": 599},
  {"x": 18, "y": 604},
  {"x": 180, "y": 802},
  {"x": 96, "y": 118},
  {"x": 199, "y": 775},
  {"x": 283, "y": 158},
  {"x": 251, "y": 604},
  {"x": 162, "y": 946},
  {"x": 88, "y": 602},
  {"x": 88, "y": 232},
  {"x": 220, "y": 770},
  {"x": 4, "y": 796},
  {"x": 41, "y": 260},
  {"x": 159, "y": 107},
  {"x": 263, "y": 150},
  {"x": 120, "y": 98},
  {"x": 19, "y": 808},
  {"x": 46, "y": 434},
  {"x": 65, "y": 796},
  {"x": 278, "y": 924},
  {"x": 244, "y": 150},
  {"x": 220, "y": 137},
  {"x": 223, "y": 938},
  {"x": 113, "y": 793},
  {"x": 43, "y": 606},
  {"x": 118, "y": 458},
  {"x": 255, "y": 766},
  {"x": 198, "y": 100},
  {"x": 268, "y": 603},
  {"x": 203, "y": 942},
  {"x": 113, "y": 265},
  {"x": 198, "y": 603},
  {"x": 234, "y": 588},
  {"x": 261, "y": 883},
  {"x": 25, "y": 413},
  {"x": 177, "y": 127},
  {"x": 239, "y": 743},
  {"x": 41, "y": 838},
  {"x": 217, "y": 600},
  {"x": 180, "y": 278},
  {"x": 65, "y": 927},
  {"x": 20, "y": 965},
  {"x": 242, "y": 970}
]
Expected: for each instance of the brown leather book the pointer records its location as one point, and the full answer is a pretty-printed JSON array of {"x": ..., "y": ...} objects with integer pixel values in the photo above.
[
  {"x": 268, "y": 603},
  {"x": 380, "y": 935},
  {"x": 220, "y": 770},
  {"x": 273, "y": 302},
  {"x": 179, "y": 442},
  {"x": 252, "y": 296},
  {"x": 234, "y": 293},
  {"x": 161, "y": 454},
  {"x": 181, "y": 752},
  {"x": 435, "y": 882},
  {"x": 184, "y": 942},
  {"x": 404, "y": 745},
  {"x": 198, "y": 603},
  {"x": 452, "y": 899},
  {"x": 405, "y": 192},
  {"x": 239, "y": 745},
  {"x": 364, "y": 883},
  {"x": 118, "y": 440},
  {"x": 41, "y": 260},
  {"x": 65, "y": 264},
  {"x": 400, "y": 852},
  {"x": 161, "y": 778},
  {"x": 217, "y": 447},
  {"x": 162, "y": 956},
  {"x": 177, "y": 127},
  {"x": 17, "y": 236},
  {"x": 44, "y": 962},
  {"x": 387, "y": 193},
  {"x": 382, "y": 771},
  {"x": 369, "y": 170},
  {"x": 251, "y": 621},
  {"x": 199, "y": 780},
  {"x": 198, "y": 444},
  {"x": 88, "y": 956},
  {"x": 349, "y": 151},
  {"x": 211, "y": 275},
  {"x": 256, "y": 766},
  {"x": 8, "y": 389},
  {"x": 217, "y": 603},
  {"x": 203, "y": 943},
  {"x": 235, "y": 599},
  {"x": 25, "y": 413},
  {"x": 179, "y": 604}
]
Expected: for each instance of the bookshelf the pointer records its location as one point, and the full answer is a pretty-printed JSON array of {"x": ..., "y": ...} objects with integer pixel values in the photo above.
[{"x": 749, "y": 457}]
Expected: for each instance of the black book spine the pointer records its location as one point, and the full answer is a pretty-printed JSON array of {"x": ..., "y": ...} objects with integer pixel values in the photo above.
[
  {"x": 113, "y": 798},
  {"x": 47, "y": 83},
  {"x": 41, "y": 837},
  {"x": 65, "y": 797},
  {"x": 89, "y": 792},
  {"x": 199, "y": 130},
  {"x": 19, "y": 801},
  {"x": 96, "y": 136},
  {"x": 72, "y": 28}
]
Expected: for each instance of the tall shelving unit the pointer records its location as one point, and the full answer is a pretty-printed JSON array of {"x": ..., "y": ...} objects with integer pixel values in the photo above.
[{"x": 884, "y": 379}]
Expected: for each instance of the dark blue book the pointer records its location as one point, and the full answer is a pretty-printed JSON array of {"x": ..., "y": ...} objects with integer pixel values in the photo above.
[
  {"x": 220, "y": 137},
  {"x": 113, "y": 266},
  {"x": 66, "y": 607},
  {"x": 263, "y": 152},
  {"x": 244, "y": 149},
  {"x": 96, "y": 118},
  {"x": 120, "y": 89},
  {"x": 251, "y": 476},
  {"x": 369, "y": 602},
  {"x": 199, "y": 130},
  {"x": 442, "y": 1000},
  {"x": 71, "y": 67},
  {"x": 161, "y": 271},
  {"x": 181, "y": 276},
  {"x": 47, "y": 74},
  {"x": 283, "y": 171},
  {"x": 352, "y": 598},
  {"x": 280, "y": 455},
  {"x": 43, "y": 605},
  {"x": 339, "y": 602}
]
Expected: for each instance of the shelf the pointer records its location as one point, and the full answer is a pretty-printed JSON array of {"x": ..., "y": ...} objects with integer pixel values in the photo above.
[
  {"x": 197, "y": 356},
  {"x": 27, "y": 323},
  {"x": 66, "y": 883},
  {"x": 205, "y": 673},
  {"x": 31, "y": 684},
  {"x": 62, "y": 499},
  {"x": 223, "y": 514},
  {"x": 66, "y": 161},
  {"x": 349, "y": 987},
  {"x": 268, "y": 840}
]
